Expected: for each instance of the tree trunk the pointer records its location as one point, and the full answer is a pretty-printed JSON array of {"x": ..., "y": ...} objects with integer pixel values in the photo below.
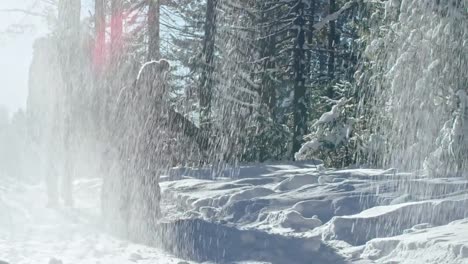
[
  {"x": 100, "y": 35},
  {"x": 99, "y": 56},
  {"x": 116, "y": 28},
  {"x": 114, "y": 72},
  {"x": 331, "y": 48},
  {"x": 267, "y": 53},
  {"x": 154, "y": 13},
  {"x": 299, "y": 107},
  {"x": 206, "y": 80},
  {"x": 310, "y": 36},
  {"x": 69, "y": 14},
  {"x": 267, "y": 92}
]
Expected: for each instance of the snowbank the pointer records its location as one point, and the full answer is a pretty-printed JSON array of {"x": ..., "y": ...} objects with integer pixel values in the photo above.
[
  {"x": 357, "y": 213},
  {"x": 443, "y": 244},
  {"x": 387, "y": 221}
]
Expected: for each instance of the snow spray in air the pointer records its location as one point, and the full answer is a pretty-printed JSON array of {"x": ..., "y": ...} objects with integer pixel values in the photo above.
[
  {"x": 417, "y": 88},
  {"x": 418, "y": 84}
]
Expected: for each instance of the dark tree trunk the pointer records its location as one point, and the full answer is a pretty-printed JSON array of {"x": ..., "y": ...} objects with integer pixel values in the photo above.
[
  {"x": 267, "y": 91},
  {"x": 299, "y": 107},
  {"x": 206, "y": 79},
  {"x": 310, "y": 36},
  {"x": 267, "y": 54},
  {"x": 154, "y": 13},
  {"x": 331, "y": 48}
]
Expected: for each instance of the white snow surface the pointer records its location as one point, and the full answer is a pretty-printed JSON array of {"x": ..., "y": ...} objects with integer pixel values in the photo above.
[
  {"x": 294, "y": 213},
  {"x": 363, "y": 215},
  {"x": 443, "y": 244},
  {"x": 32, "y": 233}
]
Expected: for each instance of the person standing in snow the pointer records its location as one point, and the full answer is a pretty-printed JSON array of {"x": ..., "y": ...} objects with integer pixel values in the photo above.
[{"x": 139, "y": 134}]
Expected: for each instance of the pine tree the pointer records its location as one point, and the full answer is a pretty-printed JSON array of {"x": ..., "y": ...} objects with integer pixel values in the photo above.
[
  {"x": 207, "y": 56},
  {"x": 298, "y": 71},
  {"x": 154, "y": 14},
  {"x": 69, "y": 13},
  {"x": 116, "y": 28}
]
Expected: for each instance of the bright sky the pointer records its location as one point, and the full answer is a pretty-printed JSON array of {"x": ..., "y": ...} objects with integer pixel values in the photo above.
[
  {"x": 16, "y": 54},
  {"x": 16, "y": 51}
]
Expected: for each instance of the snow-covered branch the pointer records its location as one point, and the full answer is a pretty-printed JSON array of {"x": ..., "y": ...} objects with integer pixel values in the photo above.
[{"x": 334, "y": 16}]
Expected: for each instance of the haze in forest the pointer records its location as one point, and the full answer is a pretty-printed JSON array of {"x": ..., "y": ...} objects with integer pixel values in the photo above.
[
  {"x": 16, "y": 54},
  {"x": 234, "y": 131},
  {"x": 18, "y": 31}
]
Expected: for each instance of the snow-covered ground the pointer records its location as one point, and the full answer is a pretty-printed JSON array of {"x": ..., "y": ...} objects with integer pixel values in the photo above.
[
  {"x": 344, "y": 216},
  {"x": 31, "y": 233},
  {"x": 292, "y": 213}
]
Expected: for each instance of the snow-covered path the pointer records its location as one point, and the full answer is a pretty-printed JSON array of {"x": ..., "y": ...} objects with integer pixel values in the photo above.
[{"x": 32, "y": 233}]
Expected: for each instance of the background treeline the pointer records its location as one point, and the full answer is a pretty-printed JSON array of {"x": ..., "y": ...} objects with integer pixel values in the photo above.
[
  {"x": 251, "y": 81},
  {"x": 255, "y": 81}
]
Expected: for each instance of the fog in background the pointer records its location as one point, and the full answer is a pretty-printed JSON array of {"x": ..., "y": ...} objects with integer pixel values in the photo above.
[
  {"x": 16, "y": 52},
  {"x": 17, "y": 34}
]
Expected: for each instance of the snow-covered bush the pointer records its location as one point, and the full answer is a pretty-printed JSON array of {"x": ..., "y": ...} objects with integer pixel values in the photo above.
[
  {"x": 451, "y": 155},
  {"x": 414, "y": 62},
  {"x": 332, "y": 139}
]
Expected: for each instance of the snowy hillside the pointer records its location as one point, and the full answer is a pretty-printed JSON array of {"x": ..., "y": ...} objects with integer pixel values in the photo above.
[{"x": 278, "y": 213}]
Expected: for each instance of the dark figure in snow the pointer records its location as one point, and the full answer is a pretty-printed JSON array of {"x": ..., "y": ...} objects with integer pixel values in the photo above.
[{"x": 140, "y": 132}]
